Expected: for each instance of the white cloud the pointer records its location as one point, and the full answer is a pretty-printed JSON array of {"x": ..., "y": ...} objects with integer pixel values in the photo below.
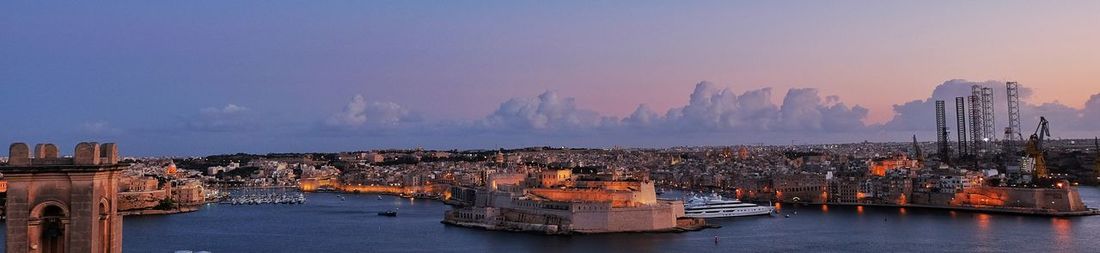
[
  {"x": 230, "y": 117},
  {"x": 1090, "y": 115},
  {"x": 546, "y": 112},
  {"x": 722, "y": 110},
  {"x": 641, "y": 117},
  {"x": 99, "y": 128},
  {"x": 709, "y": 110},
  {"x": 228, "y": 109},
  {"x": 920, "y": 115},
  {"x": 360, "y": 113}
]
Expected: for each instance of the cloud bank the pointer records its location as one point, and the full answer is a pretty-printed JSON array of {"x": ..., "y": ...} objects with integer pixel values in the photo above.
[
  {"x": 920, "y": 115},
  {"x": 712, "y": 115},
  {"x": 358, "y": 113},
  {"x": 722, "y": 110},
  {"x": 547, "y": 112}
]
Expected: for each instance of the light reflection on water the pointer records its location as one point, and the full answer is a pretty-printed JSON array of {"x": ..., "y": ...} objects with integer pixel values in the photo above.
[{"x": 1063, "y": 230}]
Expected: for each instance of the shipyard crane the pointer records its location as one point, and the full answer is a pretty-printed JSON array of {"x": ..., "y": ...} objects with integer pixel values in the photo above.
[
  {"x": 917, "y": 153},
  {"x": 1035, "y": 147}
]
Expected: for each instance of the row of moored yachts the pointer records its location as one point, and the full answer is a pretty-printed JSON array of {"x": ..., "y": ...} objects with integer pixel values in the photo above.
[{"x": 269, "y": 198}]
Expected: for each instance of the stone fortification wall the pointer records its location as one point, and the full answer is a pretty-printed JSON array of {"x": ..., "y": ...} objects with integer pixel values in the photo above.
[
  {"x": 661, "y": 216},
  {"x": 140, "y": 200},
  {"x": 1061, "y": 200},
  {"x": 310, "y": 185},
  {"x": 313, "y": 184},
  {"x": 644, "y": 191},
  {"x": 617, "y": 198}
]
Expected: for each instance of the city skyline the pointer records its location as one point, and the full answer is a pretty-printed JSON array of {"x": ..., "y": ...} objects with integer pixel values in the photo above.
[
  {"x": 201, "y": 79},
  {"x": 550, "y": 126}
]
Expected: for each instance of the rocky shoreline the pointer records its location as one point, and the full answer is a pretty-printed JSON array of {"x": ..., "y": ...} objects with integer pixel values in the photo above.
[{"x": 1018, "y": 211}]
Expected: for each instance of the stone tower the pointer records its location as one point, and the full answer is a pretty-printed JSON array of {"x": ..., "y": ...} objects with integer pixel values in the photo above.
[{"x": 60, "y": 204}]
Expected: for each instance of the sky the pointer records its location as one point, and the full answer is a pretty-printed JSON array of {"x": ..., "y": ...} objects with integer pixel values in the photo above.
[{"x": 210, "y": 77}]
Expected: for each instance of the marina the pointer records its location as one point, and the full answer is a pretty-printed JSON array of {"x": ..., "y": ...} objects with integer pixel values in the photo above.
[{"x": 262, "y": 198}]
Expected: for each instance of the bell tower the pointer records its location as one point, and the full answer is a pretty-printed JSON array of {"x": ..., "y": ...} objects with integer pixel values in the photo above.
[{"x": 62, "y": 204}]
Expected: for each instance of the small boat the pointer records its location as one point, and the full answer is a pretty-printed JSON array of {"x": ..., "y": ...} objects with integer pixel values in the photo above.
[
  {"x": 341, "y": 197},
  {"x": 379, "y": 197},
  {"x": 390, "y": 213},
  {"x": 786, "y": 216}
]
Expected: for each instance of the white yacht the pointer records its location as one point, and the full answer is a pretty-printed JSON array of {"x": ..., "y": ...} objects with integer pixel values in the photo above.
[{"x": 715, "y": 206}]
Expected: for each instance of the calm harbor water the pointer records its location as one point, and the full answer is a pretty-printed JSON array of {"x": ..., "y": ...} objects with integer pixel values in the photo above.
[{"x": 328, "y": 224}]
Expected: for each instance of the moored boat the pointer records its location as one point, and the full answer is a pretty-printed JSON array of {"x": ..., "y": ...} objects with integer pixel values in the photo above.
[{"x": 715, "y": 206}]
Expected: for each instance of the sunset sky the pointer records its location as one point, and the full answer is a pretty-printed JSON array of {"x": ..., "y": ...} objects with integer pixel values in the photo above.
[{"x": 204, "y": 77}]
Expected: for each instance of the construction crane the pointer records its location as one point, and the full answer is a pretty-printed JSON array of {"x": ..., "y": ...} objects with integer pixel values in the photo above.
[
  {"x": 919, "y": 154},
  {"x": 1035, "y": 147}
]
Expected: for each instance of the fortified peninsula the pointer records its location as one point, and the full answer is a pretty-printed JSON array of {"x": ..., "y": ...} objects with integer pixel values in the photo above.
[{"x": 558, "y": 201}]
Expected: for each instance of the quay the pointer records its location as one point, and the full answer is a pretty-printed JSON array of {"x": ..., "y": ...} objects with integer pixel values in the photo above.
[
  {"x": 1063, "y": 201},
  {"x": 1001, "y": 210}
]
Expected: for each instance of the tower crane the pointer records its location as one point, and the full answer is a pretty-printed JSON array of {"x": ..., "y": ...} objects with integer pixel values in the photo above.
[{"x": 1035, "y": 147}]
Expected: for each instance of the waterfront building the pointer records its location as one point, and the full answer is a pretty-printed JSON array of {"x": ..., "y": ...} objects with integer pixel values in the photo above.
[
  {"x": 879, "y": 166},
  {"x": 801, "y": 187},
  {"x": 845, "y": 190}
]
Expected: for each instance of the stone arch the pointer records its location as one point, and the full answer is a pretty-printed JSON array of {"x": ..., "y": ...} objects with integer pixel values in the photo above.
[
  {"x": 104, "y": 206},
  {"x": 104, "y": 223},
  {"x": 40, "y": 208},
  {"x": 48, "y": 226}
]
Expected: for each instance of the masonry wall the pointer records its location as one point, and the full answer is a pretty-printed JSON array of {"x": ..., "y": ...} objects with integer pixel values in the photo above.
[
  {"x": 1062, "y": 200},
  {"x": 618, "y": 198},
  {"x": 78, "y": 194},
  {"x": 659, "y": 216},
  {"x": 140, "y": 200}
]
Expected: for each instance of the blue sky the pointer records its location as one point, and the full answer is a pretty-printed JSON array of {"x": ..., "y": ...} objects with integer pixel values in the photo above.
[{"x": 207, "y": 77}]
